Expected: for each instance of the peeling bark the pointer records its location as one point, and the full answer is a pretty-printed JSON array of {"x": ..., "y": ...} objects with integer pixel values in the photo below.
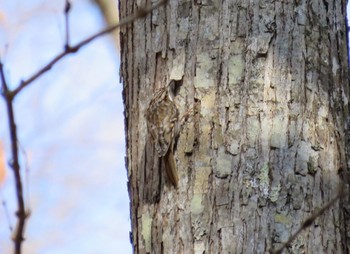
[{"x": 268, "y": 140}]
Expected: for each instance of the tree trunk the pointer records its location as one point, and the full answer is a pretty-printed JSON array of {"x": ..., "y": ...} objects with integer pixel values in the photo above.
[
  {"x": 267, "y": 141},
  {"x": 111, "y": 15}
]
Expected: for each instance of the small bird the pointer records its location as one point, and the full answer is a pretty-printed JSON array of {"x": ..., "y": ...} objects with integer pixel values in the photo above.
[{"x": 163, "y": 123}]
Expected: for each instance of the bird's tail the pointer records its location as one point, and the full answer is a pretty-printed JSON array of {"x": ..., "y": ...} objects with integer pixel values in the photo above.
[{"x": 170, "y": 168}]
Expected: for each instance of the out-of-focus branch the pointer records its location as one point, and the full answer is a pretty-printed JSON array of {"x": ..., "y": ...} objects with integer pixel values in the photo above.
[
  {"x": 66, "y": 16},
  {"x": 21, "y": 213},
  {"x": 142, "y": 12},
  {"x": 6, "y": 209},
  {"x": 308, "y": 222}
]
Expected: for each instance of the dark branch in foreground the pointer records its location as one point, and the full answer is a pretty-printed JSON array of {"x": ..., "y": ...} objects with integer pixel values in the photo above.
[
  {"x": 22, "y": 213},
  {"x": 72, "y": 49},
  {"x": 308, "y": 222}
]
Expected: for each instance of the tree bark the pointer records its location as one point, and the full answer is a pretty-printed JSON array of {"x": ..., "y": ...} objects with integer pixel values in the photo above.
[{"x": 267, "y": 143}]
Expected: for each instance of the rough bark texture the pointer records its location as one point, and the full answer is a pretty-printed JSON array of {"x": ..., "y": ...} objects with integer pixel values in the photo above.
[{"x": 266, "y": 147}]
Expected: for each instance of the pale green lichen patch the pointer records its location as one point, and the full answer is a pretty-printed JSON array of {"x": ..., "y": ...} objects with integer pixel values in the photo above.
[
  {"x": 282, "y": 219},
  {"x": 311, "y": 169},
  {"x": 146, "y": 221},
  {"x": 237, "y": 46},
  {"x": 275, "y": 192},
  {"x": 236, "y": 69},
  {"x": 278, "y": 132},
  {"x": 201, "y": 181},
  {"x": 196, "y": 204},
  {"x": 208, "y": 103},
  {"x": 302, "y": 166},
  {"x": 204, "y": 71},
  {"x": 260, "y": 44},
  {"x": 209, "y": 25},
  {"x": 264, "y": 180},
  {"x": 253, "y": 130},
  {"x": 199, "y": 247},
  {"x": 323, "y": 111},
  {"x": 177, "y": 70},
  {"x": 223, "y": 165}
]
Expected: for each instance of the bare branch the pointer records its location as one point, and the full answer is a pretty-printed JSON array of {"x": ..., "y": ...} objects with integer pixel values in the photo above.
[
  {"x": 308, "y": 222},
  {"x": 68, "y": 50},
  {"x": 66, "y": 15},
  {"x": 14, "y": 164}
]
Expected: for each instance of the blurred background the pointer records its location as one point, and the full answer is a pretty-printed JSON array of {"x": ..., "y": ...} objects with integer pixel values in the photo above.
[{"x": 70, "y": 127}]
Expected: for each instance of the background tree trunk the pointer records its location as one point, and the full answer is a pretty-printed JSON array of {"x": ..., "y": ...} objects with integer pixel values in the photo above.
[
  {"x": 111, "y": 15},
  {"x": 266, "y": 147}
]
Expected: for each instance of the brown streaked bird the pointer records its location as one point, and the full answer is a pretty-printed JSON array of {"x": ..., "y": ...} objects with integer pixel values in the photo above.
[{"x": 162, "y": 122}]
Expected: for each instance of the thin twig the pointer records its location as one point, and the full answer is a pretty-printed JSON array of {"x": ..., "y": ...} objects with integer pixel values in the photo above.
[
  {"x": 66, "y": 15},
  {"x": 308, "y": 222},
  {"x": 139, "y": 14},
  {"x": 14, "y": 164},
  {"x": 6, "y": 209}
]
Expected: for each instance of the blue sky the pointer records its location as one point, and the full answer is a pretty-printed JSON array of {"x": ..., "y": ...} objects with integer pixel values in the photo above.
[{"x": 70, "y": 123}]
